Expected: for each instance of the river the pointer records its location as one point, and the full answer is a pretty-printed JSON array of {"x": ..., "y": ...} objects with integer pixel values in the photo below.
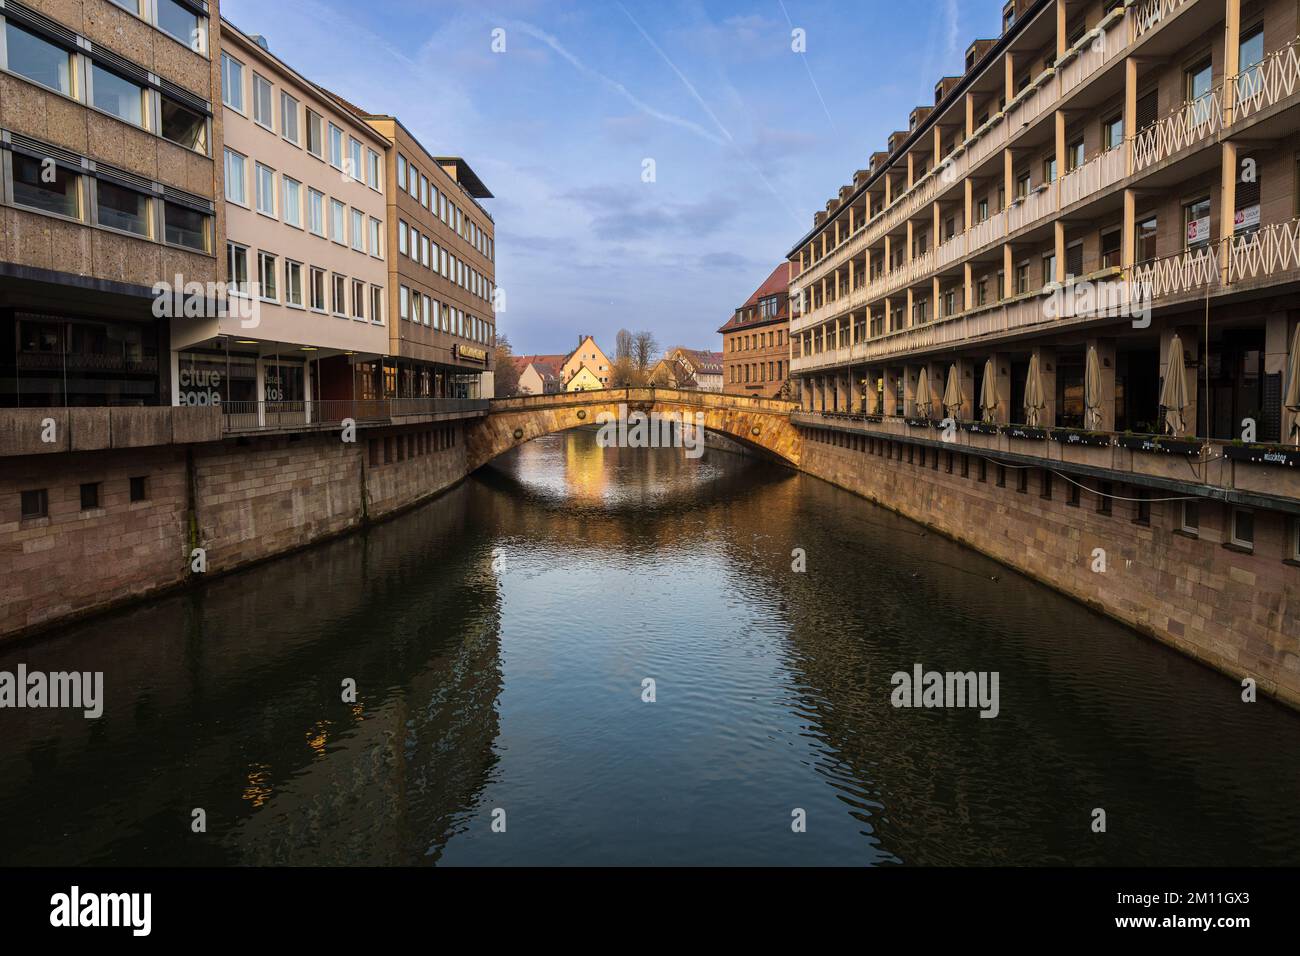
[{"x": 502, "y": 640}]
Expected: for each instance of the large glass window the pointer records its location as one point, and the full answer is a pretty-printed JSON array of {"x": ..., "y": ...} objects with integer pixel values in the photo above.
[
  {"x": 60, "y": 194},
  {"x": 185, "y": 126},
  {"x": 262, "y": 102},
  {"x": 292, "y": 282},
  {"x": 185, "y": 227},
  {"x": 1251, "y": 55},
  {"x": 315, "y": 135},
  {"x": 267, "y": 273},
  {"x": 358, "y": 230},
  {"x": 338, "y": 222},
  {"x": 292, "y": 210},
  {"x": 237, "y": 267},
  {"x": 356, "y": 170},
  {"x": 289, "y": 118},
  {"x": 232, "y": 82},
  {"x": 265, "y": 190},
  {"x": 236, "y": 183},
  {"x": 1145, "y": 245},
  {"x": 183, "y": 24},
  {"x": 316, "y": 211},
  {"x": 1196, "y": 217},
  {"x": 336, "y": 146},
  {"x": 116, "y": 95},
  {"x": 122, "y": 208},
  {"x": 37, "y": 59}
]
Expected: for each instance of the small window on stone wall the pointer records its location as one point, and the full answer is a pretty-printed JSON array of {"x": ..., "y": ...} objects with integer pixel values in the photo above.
[
  {"x": 1243, "y": 528},
  {"x": 36, "y": 503},
  {"x": 139, "y": 488},
  {"x": 90, "y": 496},
  {"x": 1191, "y": 517}
]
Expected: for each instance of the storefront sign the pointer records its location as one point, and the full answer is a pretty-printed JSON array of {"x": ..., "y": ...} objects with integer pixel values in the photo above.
[
  {"x": 1198, "y": 230},
  {"x": 1247, "y": 218},
  {"x": 470, "y": 353}
]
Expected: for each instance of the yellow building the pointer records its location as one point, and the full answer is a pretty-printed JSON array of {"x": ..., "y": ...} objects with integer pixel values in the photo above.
[
  {"x": 584, "y": 380},
  {"x": 587, "y": 353}
]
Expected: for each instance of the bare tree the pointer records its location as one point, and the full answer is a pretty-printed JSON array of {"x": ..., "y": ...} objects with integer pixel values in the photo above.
[
  {"x": 644, "y": 350},
  {"x": 624, "y": 345},
  {"x": 505, "y": 374}
]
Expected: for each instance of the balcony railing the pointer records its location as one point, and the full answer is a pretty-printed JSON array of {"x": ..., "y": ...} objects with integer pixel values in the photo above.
[
  {"x": 1093, "y": 176},
  {"x": 1045, "y": 91},
  {"x": 329, "y": 413},
  {"x": 1151, "y": 13},
  {"x": 1192, "y": 123},
  {"x": 1190, "y": 271},
  {"x": 1266, "y": 252},
  {"x": 1267, "y": 83}
]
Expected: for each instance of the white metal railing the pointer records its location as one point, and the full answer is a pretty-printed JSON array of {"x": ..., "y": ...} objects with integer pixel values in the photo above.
[
  {"x": 1101, "y": 171},
  {"x": 1265, "y": 252},
  {"x": 1269, "y": 82},
  {"x": 1151, "y": 13},
  {"x": 1189, "y": 271},
  {"x": 1191, "y": 123},
  {"x": 1038, "y": 204}
]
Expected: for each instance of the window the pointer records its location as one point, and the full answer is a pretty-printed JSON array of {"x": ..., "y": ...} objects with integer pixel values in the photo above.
[
  {"x": 401, "y": 171},
  {"x": 376, "y": 238},
  {"x": 1022, "y": 184},
  {"x": 262, "y": 115},
  {"x": 289, "y": 118},
  {"x": 1145, "y": 245},
  {"x": 1104, "y": 493},
  {"x": 236, "y": 186},
  {"x": 338, "y": 222},
  {"x": 316, "y": 212},
  {"x": 266, "y": 276},
  {"x": 90, "y": 496},
  {"x": 428, "y": 310},
  {"x": 232, "y": 83},
  {"x": 404, "y": 303},
  {"x": 1112, "y": 132},
  {"x": 1074, "y": 155},
  {"x": 424, "y": 191},
  {"x": 358, "y": 299},
  {"x": 35, "y": 503},
  {"x": 1293, "y": 541},
  {"x": 183, "y": 226},
  {"x": 292, "y": 282},
  {"x": 1110, "y": 249},
  {"x": 315, "y": 135},
  {"x": 1243, "y": 528},
  {"x": 376, "y": 305},
  {"x": 983, "y": 213},
  {"x": 1049, "y": 170},
  {"x": 1196, "y": 219},
  {"x": 1049, "y": 268},
  {"x": 122, "y": 208},
  {"x": 355, "y": 167},
  {"x": 373, "y": 174},
  {"x": 340, "y": 295},
  {"x": 358, "y": 230},
  {"x": 1074, "y": 260},
  {"x": 117, "y": 96},
  {"x": 62, "y": 196},
  {"x": 183, "y": 24},
  {"x": 292, "y": 202},
  {"x": 318, "y": 290},
  {"x": 237, "y": 267},
  {"x": 184, "y": 126},
  {"x": 139, "y": 489},
  {"x": 1142, "y": 508},
  {"x": 403, "y": 240},
  {"x": 1250, "y": 56},
  {"x": 37, "y": 59},
  {"x": 336, "y": 146},
  {"x": 1072, "y": 495},
  {"x": 265, "y": 189},
  {"x": 1022, "y": 278}
]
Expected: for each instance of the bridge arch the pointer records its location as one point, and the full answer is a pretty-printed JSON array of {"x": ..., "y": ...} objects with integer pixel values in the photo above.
[{"x": 759, "y": 423}]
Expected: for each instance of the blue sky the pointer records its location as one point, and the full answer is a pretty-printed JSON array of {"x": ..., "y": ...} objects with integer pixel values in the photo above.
[{"x": 748, "y": 137}]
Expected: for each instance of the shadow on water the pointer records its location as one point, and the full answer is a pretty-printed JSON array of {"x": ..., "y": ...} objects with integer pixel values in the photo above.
[{"x": 501, "y": 638}]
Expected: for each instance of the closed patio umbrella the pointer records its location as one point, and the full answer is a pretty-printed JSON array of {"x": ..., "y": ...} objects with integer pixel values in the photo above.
[
  {"x": 1292, "y": 401},
  {"x": 1092, "y": 391},
  {"x": 1173, "y": 394},
  {"x": 989, "y": 393},
  {"x": 952, "y": 399},
  {"x": 1034, "y": 403},
  {"x": 924, "y": 398}
]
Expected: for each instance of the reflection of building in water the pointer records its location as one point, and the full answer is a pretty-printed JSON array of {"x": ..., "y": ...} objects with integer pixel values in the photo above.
[
  {"x": 230, "y": 698},
  {"x": 585, "y": 469}
]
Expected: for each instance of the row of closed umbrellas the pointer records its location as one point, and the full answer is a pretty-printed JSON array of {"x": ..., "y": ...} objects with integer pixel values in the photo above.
[{"x": 1173, "y": 394}]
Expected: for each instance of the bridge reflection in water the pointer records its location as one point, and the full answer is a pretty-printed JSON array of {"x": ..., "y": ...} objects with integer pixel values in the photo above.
[{"x": 518, "y": 686}]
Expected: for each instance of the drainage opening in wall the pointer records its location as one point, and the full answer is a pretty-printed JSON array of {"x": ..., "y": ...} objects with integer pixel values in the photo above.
[
  {"x": 582, "y": 413},
  {"x": 519, "y": 433}
]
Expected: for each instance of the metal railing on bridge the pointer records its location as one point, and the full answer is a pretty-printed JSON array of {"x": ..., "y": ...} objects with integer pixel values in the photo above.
[{"x": 329, "y": 413}]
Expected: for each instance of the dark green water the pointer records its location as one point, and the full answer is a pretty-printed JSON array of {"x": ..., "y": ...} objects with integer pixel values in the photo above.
[{"x": 499, "y": 638}]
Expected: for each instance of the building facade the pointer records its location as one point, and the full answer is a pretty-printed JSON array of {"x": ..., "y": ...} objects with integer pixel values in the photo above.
[
  {"x": 108, "y": 186},
  {"x": 755, "y": 340},
  {"x": 588, "y": 354},
  {"x": 1083, "y": 258},
  {"x": 306, "y": 313},
  {"x": 539, "y": 374},
  {"x": 442, "y": 274}
]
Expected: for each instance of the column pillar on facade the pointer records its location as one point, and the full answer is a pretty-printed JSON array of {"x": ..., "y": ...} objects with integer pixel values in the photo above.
[
  {"x": 1058, "y": 230},
  {"x": 1130, "y": 110},
  {"x": 1228, "y": 205},
  {"x": 1128, "y": 241},
  {"x": 1008, "y": 272},
  {"x": 1231, "y": 57},
  {"x": 968, "y": 286}
]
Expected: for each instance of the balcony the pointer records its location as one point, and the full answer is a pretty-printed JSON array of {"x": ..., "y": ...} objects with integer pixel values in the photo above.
[
  {"x": 1099, "y": 173},
  {"x": 1276, "y": 79},
  {"x": 327, "y": 415},
  {"x": 1150, "y": 14},
  {"x": 1189, "y": 125}
]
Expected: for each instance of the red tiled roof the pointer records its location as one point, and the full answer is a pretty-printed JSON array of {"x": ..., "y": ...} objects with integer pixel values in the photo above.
[{"x": 775, "y": 284}]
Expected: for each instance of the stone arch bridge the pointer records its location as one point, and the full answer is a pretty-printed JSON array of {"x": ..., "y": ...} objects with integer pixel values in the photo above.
[{"x": 761, "y": 424}]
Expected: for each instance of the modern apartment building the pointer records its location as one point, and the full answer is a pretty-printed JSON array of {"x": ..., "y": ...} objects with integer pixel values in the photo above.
[
  {"x": 1084, "y": 254},
  {"x": 108, "y": 184},
  {"x": 441, "y": 274},
  {"x": 305, "y": 248},
  {"x": 755, "y": 340}
]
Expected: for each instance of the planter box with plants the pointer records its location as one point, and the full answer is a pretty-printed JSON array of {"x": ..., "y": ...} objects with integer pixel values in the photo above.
[
  {"x": 873, "y": 419},
  {"x": 1280, "y": 455},
  {"x": 1025, "y": 432},
  {"x": 979, "y": 428},
  {"x": 1160, "y": 445},
  {"x": 1077, "y": 436},
  {"x": 918, "y": 422}
]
